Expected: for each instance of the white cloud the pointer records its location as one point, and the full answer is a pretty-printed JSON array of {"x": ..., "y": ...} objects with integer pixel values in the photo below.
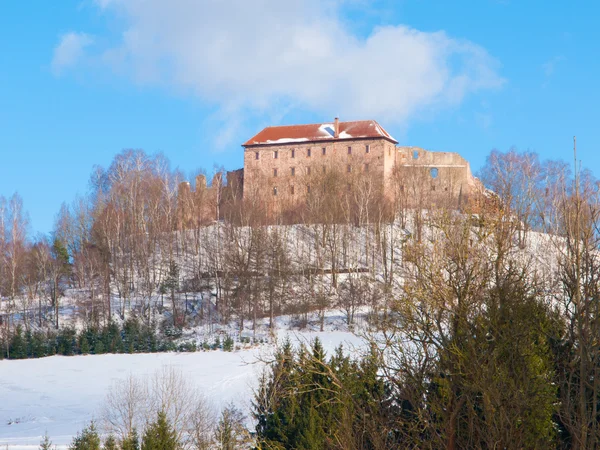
[
  {"x": 69, "y": 51},
  {"x": 245, "y": 56}
]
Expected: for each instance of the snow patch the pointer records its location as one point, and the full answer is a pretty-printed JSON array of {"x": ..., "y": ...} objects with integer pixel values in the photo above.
[
  {"x": 286, "y": 140},
  {"x": 327, "y": 129}
]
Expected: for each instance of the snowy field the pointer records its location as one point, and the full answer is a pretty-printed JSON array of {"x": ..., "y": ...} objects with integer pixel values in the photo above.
[{"x": 60, "y": 395}]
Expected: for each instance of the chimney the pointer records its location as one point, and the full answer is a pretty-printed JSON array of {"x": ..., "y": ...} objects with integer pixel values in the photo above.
[{"x": 336, "y": 128}]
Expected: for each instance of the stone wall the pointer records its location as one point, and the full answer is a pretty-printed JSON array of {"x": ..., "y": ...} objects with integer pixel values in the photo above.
[
  {"x": 286, "y": 170},
  {"x": 204, "y": 204},
  {"x": 436, "y": 176},
  {"x": 283, "y": 172}
]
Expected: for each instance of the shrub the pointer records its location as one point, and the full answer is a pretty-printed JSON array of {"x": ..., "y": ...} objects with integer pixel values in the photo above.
[{"x": 228, "y": 344}]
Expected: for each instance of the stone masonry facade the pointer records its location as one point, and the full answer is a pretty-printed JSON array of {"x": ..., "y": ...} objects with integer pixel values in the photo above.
[
  {"x": 282, "y": 164},
  {"x": 287, "y": 170}
]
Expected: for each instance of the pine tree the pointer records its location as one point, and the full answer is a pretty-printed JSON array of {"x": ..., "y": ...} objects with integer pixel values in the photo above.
[
  {"x": 88, "y": 439},
  {"x": 84, "y": 345},
  {"x": 99, "y": 349},
  {"x": 28, "y": 344},
  {"x": 273, "y": 408},
  {"x": 315, "y": 408},
  {"x": 230, "y": 433},
  {"x": 160, "y": 435},
  {"x": 18, "y": 346},
  {"x": 110, "y": 443},
  {"x": 60, "y": 253},
  {"x": 39, "y": 345},
  {"x": 131, "y": 442},
  {"x": 306, "y": 402},
  {"x": 46, "y": 443}
]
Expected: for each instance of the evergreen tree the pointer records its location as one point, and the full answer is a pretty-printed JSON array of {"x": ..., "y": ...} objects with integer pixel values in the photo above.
[
  {"x": 131, "y": 334},
  {"x": 28, "y": 344},
  {"x": 131, "y": 442},
  {"x": 46, "y": 443},
  {"x": 84, "y": 346},
  {"x": 18, "y": 345},
  {"x": 306, "y": 402},
  {"x": 99, "y": 348},
  {"x": 66, "y": 341},
  {"x": 160, "y": 435},
  {"x": 110, "y": 443},
  {"x": 87, "y": 439},
  {"x": 39, "y": 346},
  {"x": 314, "y": 416},
  {"x": 60, "y": 253},
  {"x": 273, "y": 408},
  {"x": 230, "y": 433},
  {"x": 111, "y": 336}
]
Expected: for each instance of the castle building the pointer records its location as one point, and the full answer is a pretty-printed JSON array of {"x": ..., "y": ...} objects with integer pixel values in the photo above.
[
  {"x": 282, "y": 164},
  {"x": 282, "y": 160}
]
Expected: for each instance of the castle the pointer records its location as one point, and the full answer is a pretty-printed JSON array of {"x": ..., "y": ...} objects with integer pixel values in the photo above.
[{"x": 283, "y": 165}]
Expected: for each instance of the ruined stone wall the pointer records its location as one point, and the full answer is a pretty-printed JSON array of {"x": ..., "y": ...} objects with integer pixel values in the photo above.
[
  {"x": 203, "y": 205},
  {"x": 433, "y": 177}
]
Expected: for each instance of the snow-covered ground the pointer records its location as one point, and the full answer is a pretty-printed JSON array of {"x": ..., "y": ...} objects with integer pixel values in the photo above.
[{"x": 60, "y": 395}]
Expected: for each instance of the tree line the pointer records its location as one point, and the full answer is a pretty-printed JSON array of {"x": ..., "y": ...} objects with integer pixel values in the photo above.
[{"x": 129, "y": 247}]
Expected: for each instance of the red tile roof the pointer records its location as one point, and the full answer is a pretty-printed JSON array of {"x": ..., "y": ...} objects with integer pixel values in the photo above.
[{"x": 288, "y": 134}]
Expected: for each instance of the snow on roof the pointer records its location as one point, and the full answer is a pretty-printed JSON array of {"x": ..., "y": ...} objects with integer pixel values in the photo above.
[
  {"x": 319, "y": 132},
  {"x": 286, "y": 140}
]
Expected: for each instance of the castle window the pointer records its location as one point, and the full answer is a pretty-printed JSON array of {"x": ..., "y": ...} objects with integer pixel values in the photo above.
[
  {"x": 292, "y": 190},
  {"x": 275, "y": 154},
  {"x": 434, "y": 172},
  {"x": 366, "y": 167},
  {"x": 367, "y": 148},
  {"x": 432, "y": 187},
  {"x": 308, "y": 188},
  {"x": 293, "y": 153},
  {"x": 274, "y": 172},
  {"x": 256, "y": 155},
  {"x": 308, "y": 171},
  {"x": 308, "y": 152},
  {"x": 275, "y": 190},
  {"x": 416, "y": 154},
  {"x": 349, "y": 150},
  {"x": 349, "y": 168},
  {"x": 389, "y": 152},
  {"x": 293, "y": 170},
  {"x": 324, "y": 151}
]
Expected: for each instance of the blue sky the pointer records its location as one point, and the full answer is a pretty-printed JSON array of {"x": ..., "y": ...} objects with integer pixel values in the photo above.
[{"x": 82, "y": 80}]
